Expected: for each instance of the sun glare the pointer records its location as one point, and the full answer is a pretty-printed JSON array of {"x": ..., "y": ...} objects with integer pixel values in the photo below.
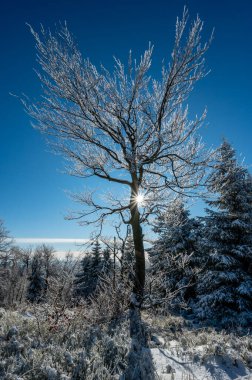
[{"x": 140, "y": 199}]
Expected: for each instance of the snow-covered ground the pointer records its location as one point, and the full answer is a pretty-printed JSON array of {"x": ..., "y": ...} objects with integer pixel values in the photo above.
[
  {"x": 181, "y": 351},
  {"x": 33, "y": 345},
  {"x": 172, "y": 367}
]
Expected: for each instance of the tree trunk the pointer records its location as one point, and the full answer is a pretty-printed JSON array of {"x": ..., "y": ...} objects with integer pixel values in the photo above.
[{"x": 138, "y": 245}]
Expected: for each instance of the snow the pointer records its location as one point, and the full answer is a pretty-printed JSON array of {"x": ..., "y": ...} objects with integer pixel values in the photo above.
[
  {"x": 158, "y": 340},
  {"x": 217, "y": 367}
]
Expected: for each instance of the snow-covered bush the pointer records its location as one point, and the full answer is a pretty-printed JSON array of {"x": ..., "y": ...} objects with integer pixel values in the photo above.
[{"x": 31, "y": 349}]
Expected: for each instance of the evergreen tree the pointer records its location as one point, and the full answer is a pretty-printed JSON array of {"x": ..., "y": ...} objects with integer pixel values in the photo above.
[
  {"x": 173, "y": 256},
  {"x": 87, "y": 278},
  {"x": 37, "y": 287},
  {"x": 107, "y": 262},
  {"x": 81, "y": 281},
  {"x": 225, "y": 287},
  {"x": 128, "y": 258}
]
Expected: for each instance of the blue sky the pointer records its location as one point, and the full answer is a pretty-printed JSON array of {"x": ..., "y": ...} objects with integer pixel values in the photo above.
[{"x": 33, "y": 199}]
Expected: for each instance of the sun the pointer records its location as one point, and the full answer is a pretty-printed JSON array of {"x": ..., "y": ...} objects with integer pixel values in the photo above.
[{"x": 139, "y": 199}]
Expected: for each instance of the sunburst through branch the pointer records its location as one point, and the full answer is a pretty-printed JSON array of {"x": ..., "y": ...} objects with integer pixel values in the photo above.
[{"x": 140, "y": 199}]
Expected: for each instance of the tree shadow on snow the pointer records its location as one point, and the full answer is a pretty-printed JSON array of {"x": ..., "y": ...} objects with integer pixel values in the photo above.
[
  {"x": 140, "y": 364},
  {"x": 222, "y": 361}
]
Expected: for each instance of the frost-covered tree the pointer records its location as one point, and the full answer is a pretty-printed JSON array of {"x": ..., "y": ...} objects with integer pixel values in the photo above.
[
  {"x": 125, "y": 127},
  {"x": 5, "y": 245},
  {"x": 37, "y": 286},
  {"x": 6, "y": 259},
  {"x": 128, "y": 258},
  {"x": 225, "y": 287},
  {"x": 46, "y": 254},
  {"x": 175, "y": 254},
  {"x": 81, "y": 281},
  {"x": 91, "y": 271},
  {"x": 107, "y": 262}
]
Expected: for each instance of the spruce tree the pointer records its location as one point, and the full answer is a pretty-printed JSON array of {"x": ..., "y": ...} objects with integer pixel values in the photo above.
[
  {"x": 80, "y": 285},
  {"x": 88, "y": 277},
  {"x": 37, "y": 286},
  {"x": 128, "y": 259},
  {"x": 225, "y": 287},
  {"x": 107, "y": 262},
  {"x": 173, "y": 255}
]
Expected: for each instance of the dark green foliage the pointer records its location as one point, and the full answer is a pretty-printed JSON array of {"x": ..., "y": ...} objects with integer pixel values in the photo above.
[
  {"x": 94, "y": 266},
  {"x": 175, "y": 255},
  {"x": 37, "y": 287},
  {"x": 107, "y": 262},
  {"x": 128, "y": 259},
  {"x": 225, "y": 286}
]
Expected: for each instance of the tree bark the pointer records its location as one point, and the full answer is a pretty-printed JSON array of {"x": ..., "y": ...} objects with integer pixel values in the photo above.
[{"x": 138, "y": 245}]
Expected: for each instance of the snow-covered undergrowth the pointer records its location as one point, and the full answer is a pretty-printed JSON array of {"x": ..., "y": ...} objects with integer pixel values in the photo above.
[
  {"x": 34, "y": 346},
  {"x": 42, "y": 343}
]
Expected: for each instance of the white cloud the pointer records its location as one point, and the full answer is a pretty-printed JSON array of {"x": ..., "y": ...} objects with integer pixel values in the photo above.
[{"x": 62, "y": 254}]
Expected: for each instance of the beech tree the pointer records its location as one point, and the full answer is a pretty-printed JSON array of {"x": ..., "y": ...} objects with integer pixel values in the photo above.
[{"x": 124, "y": 127}]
